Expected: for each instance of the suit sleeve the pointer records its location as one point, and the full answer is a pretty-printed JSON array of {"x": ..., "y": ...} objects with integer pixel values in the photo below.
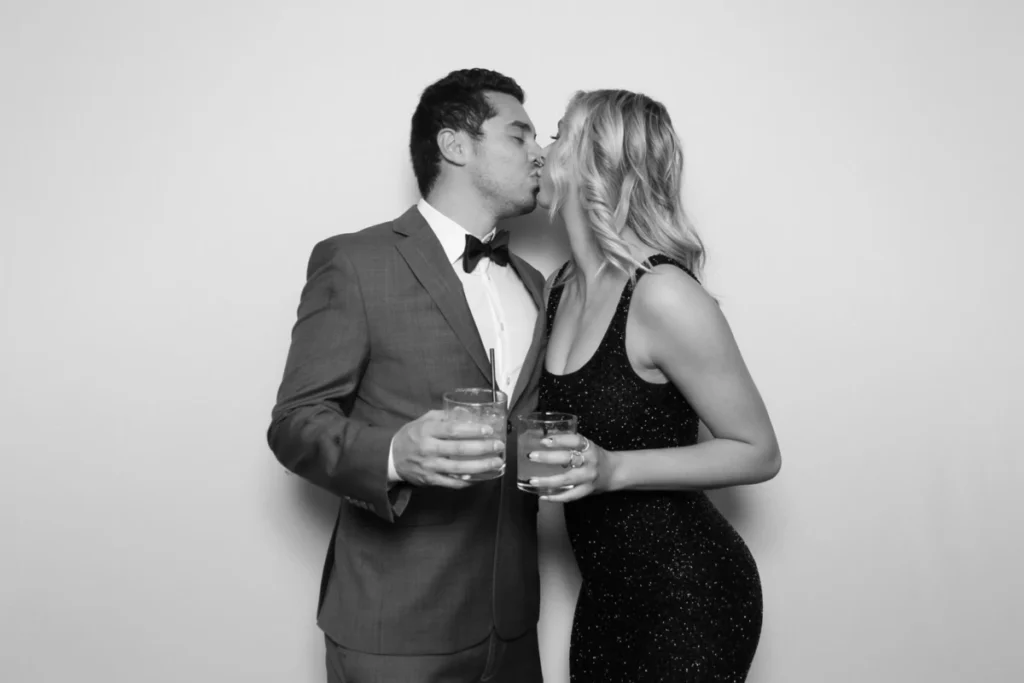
[{"x": 310, "y": 431}]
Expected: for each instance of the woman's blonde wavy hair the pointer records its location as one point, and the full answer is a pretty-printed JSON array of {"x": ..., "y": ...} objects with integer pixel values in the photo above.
[{"x": 627, "y": 161}]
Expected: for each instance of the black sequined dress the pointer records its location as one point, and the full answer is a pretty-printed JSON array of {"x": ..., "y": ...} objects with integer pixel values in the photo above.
[{"x": 670, "y": 591}]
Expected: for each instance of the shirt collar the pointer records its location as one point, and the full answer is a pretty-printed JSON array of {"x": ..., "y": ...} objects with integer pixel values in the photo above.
[{"x": 450, "y": 234}]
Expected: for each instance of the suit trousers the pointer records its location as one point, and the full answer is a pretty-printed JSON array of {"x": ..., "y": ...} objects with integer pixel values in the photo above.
[{"x": 492, "y": 661}]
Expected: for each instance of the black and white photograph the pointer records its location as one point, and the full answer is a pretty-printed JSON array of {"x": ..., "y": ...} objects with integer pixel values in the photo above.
[{"x": 544, "y": 342}]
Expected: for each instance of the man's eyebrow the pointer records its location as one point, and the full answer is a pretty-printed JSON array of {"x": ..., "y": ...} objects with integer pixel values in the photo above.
[{"x": 525, "y": 127}]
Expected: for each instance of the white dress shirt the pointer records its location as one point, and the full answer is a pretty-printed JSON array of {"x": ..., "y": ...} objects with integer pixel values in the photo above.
[{"x": 502, "y": 309}]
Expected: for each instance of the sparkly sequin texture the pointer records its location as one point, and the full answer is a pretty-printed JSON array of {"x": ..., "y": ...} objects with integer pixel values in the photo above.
[{"x": 670, "y": 591}]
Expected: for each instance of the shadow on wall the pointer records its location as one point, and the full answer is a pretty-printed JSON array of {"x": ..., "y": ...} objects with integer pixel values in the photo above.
[{"x": 736, "y": 506}]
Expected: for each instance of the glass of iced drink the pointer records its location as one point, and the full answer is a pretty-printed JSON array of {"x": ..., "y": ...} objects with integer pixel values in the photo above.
[
  {"x": 478, "y": 406},
  {"x": 532, "y": 428}
]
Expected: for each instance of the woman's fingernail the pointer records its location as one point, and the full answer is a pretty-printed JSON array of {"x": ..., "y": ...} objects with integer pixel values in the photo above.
[
  {"x": 487, "y": 430},
  {"x": 547, "y": 441},
  {"x": 532, "y": 455}
]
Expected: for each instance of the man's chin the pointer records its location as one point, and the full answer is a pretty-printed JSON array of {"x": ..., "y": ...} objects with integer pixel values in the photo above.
[
  {"x": 528, "y": 205},
  {"x": 535, "y": 201}
]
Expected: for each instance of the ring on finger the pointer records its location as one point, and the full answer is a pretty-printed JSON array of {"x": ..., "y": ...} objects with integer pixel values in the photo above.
[{"x": 576, "y": 459}]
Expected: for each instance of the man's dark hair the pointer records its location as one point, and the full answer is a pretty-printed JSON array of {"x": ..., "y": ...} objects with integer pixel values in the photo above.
[{"x": 457, "y": 101}]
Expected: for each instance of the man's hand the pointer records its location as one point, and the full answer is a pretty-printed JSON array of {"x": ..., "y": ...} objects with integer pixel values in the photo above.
[{"x": 430, "y": 451}]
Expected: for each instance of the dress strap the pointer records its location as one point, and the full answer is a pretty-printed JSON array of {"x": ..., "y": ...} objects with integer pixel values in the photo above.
[
  {"x": 622, "y": 312},
  {"x": 661, "y": 259}
]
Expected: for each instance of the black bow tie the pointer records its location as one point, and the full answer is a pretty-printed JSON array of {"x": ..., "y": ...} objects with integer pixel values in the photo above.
[{"x": 496, "y": 250}]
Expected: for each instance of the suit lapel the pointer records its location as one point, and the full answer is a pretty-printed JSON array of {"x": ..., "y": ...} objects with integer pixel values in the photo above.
[
  {"x": 536, "y": 290},
  {"x": 428, "y": 262}
]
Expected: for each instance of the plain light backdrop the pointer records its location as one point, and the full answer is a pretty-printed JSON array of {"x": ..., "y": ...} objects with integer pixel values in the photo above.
[{"x": 166, "y": 167}]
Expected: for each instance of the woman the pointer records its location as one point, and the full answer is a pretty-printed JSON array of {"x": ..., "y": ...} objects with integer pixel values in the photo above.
[{"x": 642, "y": 354}]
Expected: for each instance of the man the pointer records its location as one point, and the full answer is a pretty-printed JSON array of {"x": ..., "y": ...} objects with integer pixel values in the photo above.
[{"x": 428, "y": 577}]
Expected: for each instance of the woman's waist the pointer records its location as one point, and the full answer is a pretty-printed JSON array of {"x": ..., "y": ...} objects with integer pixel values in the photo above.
[
  {"x": 676, "y": 573},
  {"x": 650, "y": 537},
  {"x": 639, "y": 511}
]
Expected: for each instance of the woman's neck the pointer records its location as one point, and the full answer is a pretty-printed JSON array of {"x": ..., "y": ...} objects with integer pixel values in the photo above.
[{"x": 586, "y": 253}]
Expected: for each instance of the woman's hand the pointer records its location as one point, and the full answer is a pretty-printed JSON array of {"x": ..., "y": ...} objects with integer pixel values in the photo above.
[{"x": 588, "y": 466}]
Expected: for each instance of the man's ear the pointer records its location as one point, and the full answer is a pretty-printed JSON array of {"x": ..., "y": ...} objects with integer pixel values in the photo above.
[{"x": 454, "y": 146}]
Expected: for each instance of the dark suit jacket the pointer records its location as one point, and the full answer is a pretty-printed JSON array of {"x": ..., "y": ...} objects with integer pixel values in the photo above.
[{"x": 383, "y": 331}]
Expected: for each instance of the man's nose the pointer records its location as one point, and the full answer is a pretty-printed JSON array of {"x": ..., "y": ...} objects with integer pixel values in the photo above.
[{"x": 538, "y": 155}]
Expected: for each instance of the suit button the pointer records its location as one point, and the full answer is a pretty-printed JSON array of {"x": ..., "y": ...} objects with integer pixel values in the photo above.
[{"x": 508, "y": 427}]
